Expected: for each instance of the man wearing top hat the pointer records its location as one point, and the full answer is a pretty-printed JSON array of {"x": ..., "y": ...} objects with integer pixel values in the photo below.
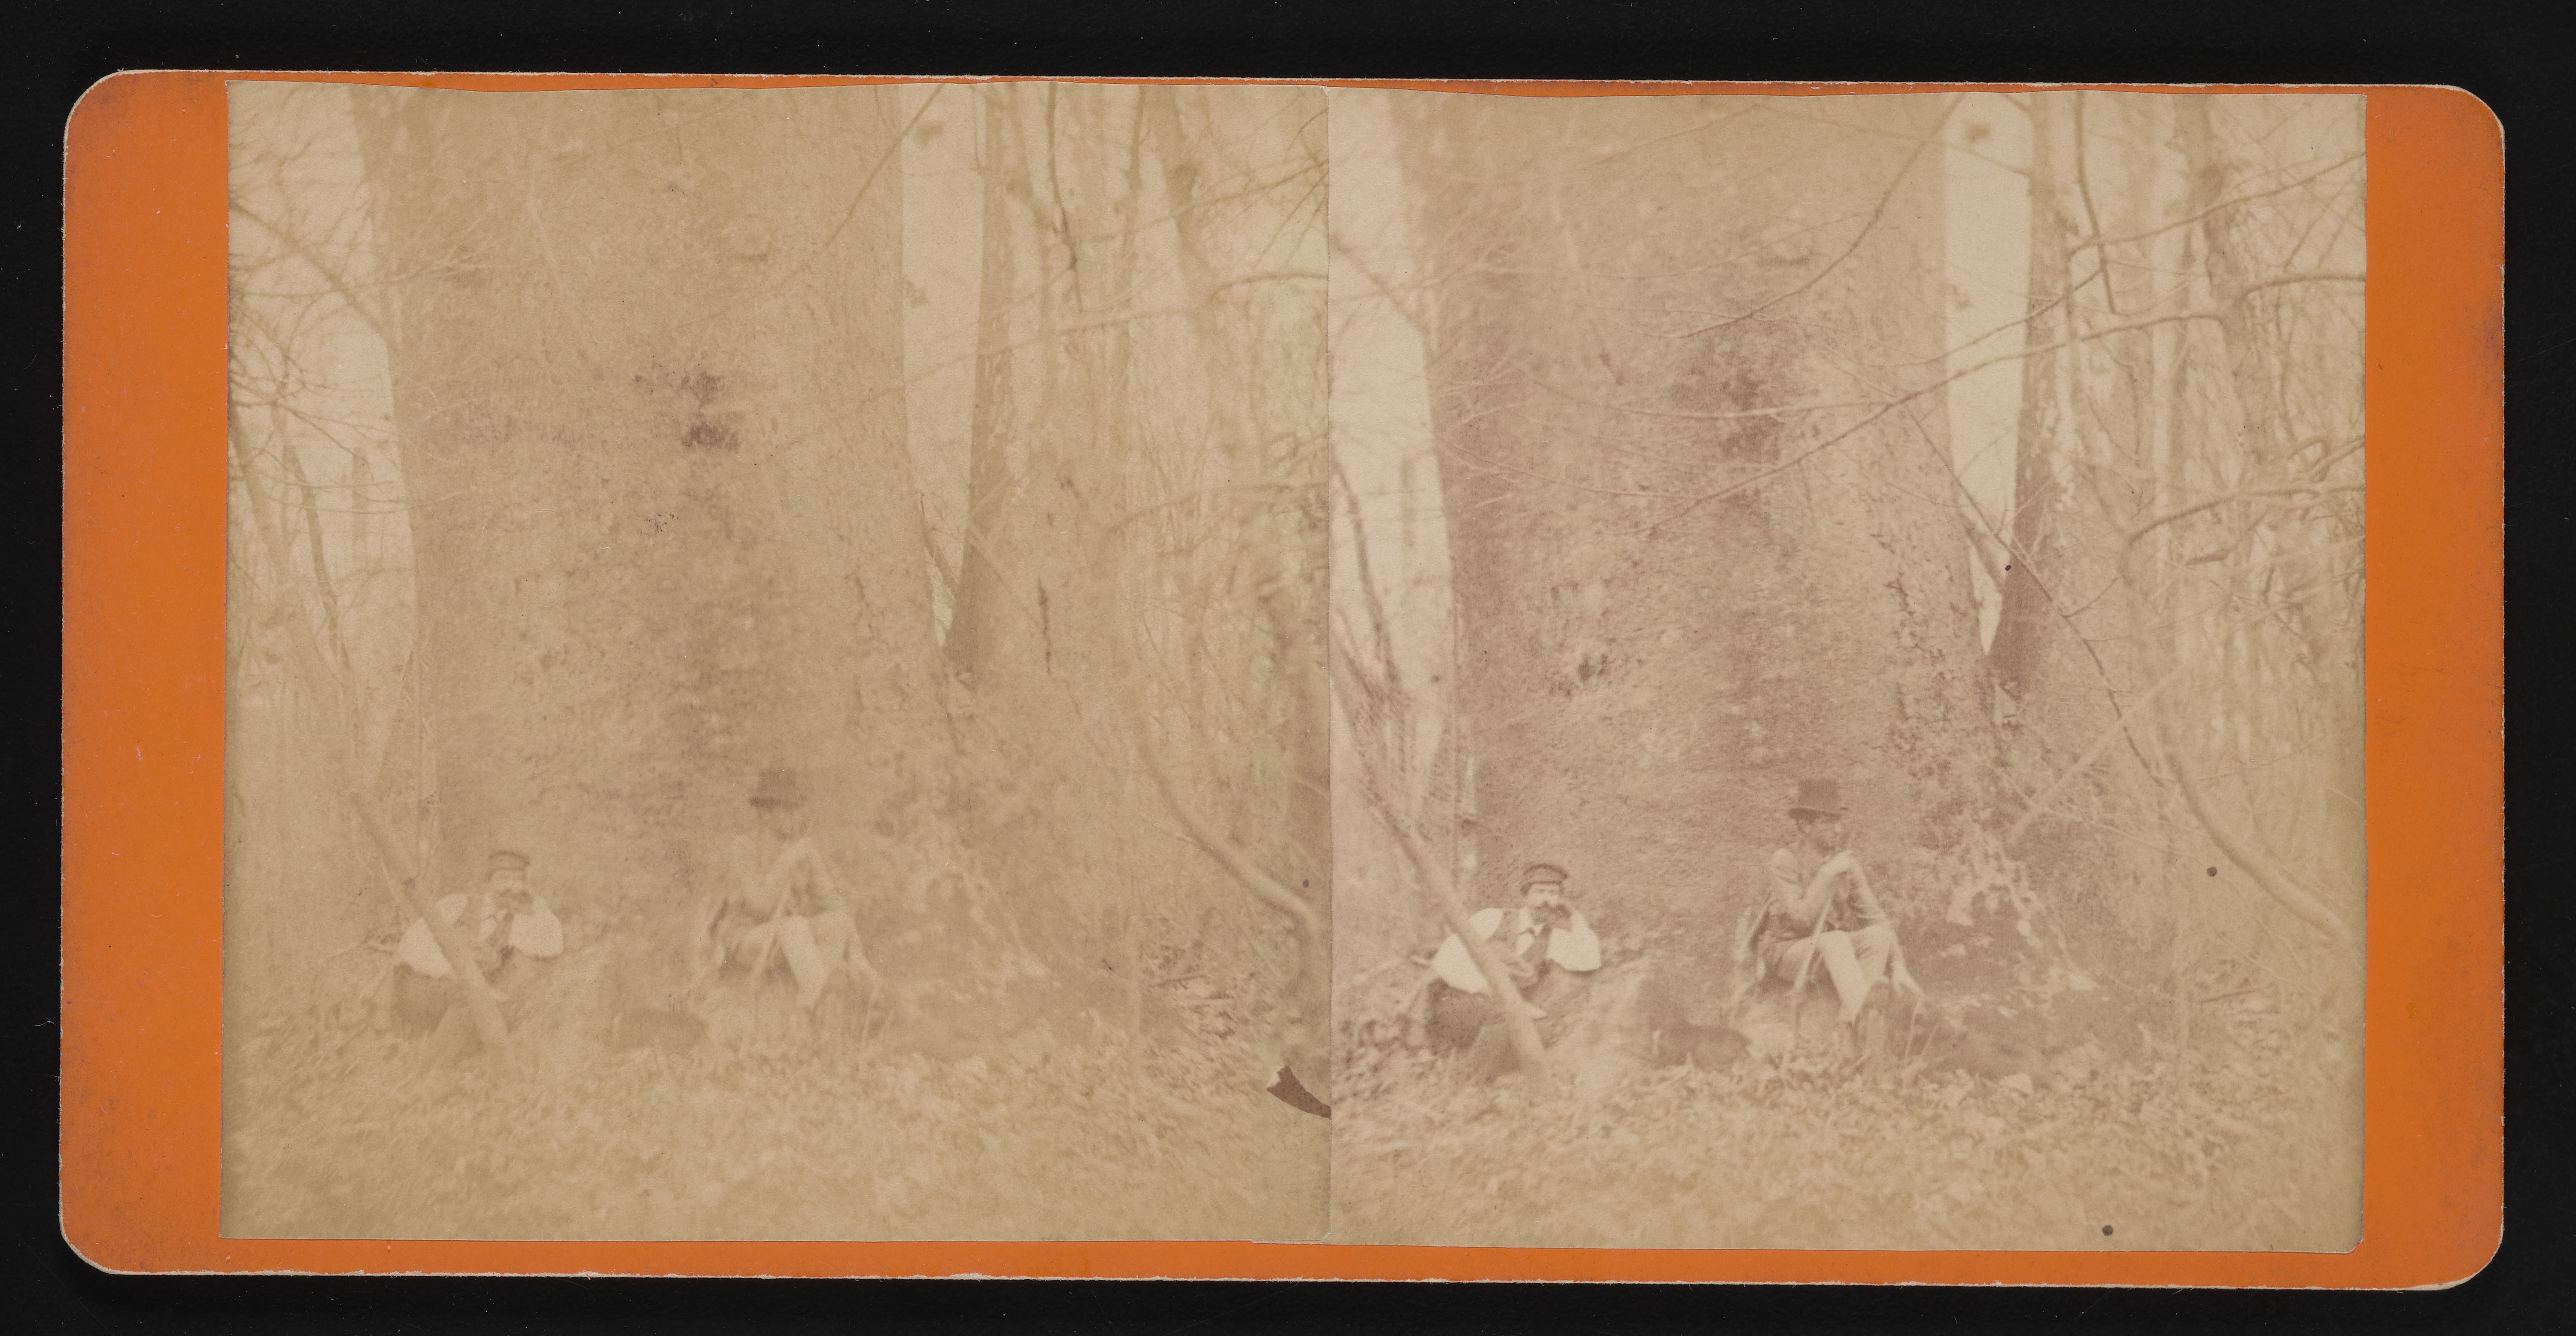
[
  {"x": 1821, "y": 912},
  {"x": 1542, "y": 935},
  {"x": 509, "y": 923},
  {"x": 782, "y": 902}
]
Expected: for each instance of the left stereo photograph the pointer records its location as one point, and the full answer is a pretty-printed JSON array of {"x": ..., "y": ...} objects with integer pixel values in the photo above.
[{"x": 775, "y": 683}]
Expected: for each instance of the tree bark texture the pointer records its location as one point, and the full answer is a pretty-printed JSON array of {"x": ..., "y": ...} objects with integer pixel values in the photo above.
[
  {"x": 1683, "y": 584},
  {"x": 646, "y": 378}
]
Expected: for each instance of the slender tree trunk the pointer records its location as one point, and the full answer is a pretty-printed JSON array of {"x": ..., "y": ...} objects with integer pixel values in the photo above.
[
  {"x": 1394, "y": 651},
  {"x": 2029, "y": 625},
  {"x": 1108, "y": 546},
  {"x": 988, "y": 472}
]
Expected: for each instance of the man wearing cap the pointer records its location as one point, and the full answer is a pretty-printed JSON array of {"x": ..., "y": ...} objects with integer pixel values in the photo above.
[
  {"x": 509, "y": 923},
  {"x": 1543, "y": 934},
  {"x": 1821, "y": 911},
  {"x": 784, "y": 903}
]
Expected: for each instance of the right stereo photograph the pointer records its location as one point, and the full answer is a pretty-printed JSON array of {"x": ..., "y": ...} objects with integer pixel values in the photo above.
[{"x": 1846, "y": 651}]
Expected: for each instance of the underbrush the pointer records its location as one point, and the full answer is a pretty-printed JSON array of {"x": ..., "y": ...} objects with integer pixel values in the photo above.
[
  {"x": 334, "y": 1130},
  {"x": 2234, "y": 1143}
]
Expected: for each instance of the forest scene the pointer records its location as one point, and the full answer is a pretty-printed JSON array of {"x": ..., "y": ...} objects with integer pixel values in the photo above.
[
  {"x": 920, "y": 487},
  {"x": 1941, "y": 509}
]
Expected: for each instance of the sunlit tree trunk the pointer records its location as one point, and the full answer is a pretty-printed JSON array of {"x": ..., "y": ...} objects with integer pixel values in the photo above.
[
  {"x": 1392, "y": 618},
  {"x": 1051, "y": 436},
  {"x": 980, "y": 600}
]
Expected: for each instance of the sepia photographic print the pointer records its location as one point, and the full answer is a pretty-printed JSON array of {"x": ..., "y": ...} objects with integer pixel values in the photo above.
[
  {"x": 1846, "y": 658},
  {"x": 776, "y": 674},
  {"x": 782, "y": 684}
]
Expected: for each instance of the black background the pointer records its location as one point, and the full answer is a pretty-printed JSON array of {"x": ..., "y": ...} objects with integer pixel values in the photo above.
[{"x": 2509, "y": 56}]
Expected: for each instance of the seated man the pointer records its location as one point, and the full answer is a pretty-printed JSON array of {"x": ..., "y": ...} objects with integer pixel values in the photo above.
[
  {"x": 1543, "y": 934},
  {"x": 1821, "y": 910},
  {"x": 509, "y": 923},
  {"x": 784, "y": 903}
]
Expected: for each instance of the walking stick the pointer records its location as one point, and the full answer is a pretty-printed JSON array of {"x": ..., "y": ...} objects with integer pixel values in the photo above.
[
  {"x": 1748, "y": 961},
  {"x": 1806, "y": 967},
  {"x": 1798, "y": 988},
  {"x": 769, "y": 944},
  {"x": 702, "y": 936},
  {"x": 1749, "y": 966}
]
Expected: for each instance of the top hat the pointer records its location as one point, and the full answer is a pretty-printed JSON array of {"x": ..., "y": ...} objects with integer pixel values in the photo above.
[
  {"x": 1543, "y": 874},
  {"x": 1817, "y": 797},
  {"x": 778, "y": 788},
  {"x": 509, "y": 860}
]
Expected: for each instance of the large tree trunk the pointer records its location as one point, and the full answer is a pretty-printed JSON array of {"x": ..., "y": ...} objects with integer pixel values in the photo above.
[
  {"x": 1682, "y": 584},
  {"x": 646, "y": 363},
  {"x": 1055, "y": 431}
]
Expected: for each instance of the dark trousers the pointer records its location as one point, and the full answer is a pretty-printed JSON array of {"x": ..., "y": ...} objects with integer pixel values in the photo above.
[
  {"x": 1458, "y": 1018},
  {"x": 420, "y": 1004}
]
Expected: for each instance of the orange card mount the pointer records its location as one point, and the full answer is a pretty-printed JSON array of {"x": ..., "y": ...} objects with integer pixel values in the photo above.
[{"x": 143, "y": 735}]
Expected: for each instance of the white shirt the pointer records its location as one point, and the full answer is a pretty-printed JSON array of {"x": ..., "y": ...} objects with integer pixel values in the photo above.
[
  {"x": 534, "y": 930},
  {"x": 1571, "y": 947}
]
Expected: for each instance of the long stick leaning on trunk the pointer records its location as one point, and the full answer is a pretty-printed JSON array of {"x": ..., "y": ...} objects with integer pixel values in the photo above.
[
  {"x": 1516, "y": 1013},
  {"x": 481, "y": 1004}
]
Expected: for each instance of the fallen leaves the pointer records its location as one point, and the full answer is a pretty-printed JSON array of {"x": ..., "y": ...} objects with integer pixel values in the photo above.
[
  {"x": 1060, "y": 1140},
  {"x": 1801, "y": 1154}
]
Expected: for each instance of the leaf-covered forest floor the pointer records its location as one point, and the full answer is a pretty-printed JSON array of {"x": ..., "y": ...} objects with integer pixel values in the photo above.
[
  {"x": 2244, "y": 1135},
  {"x": 779, "y": 1129}
]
